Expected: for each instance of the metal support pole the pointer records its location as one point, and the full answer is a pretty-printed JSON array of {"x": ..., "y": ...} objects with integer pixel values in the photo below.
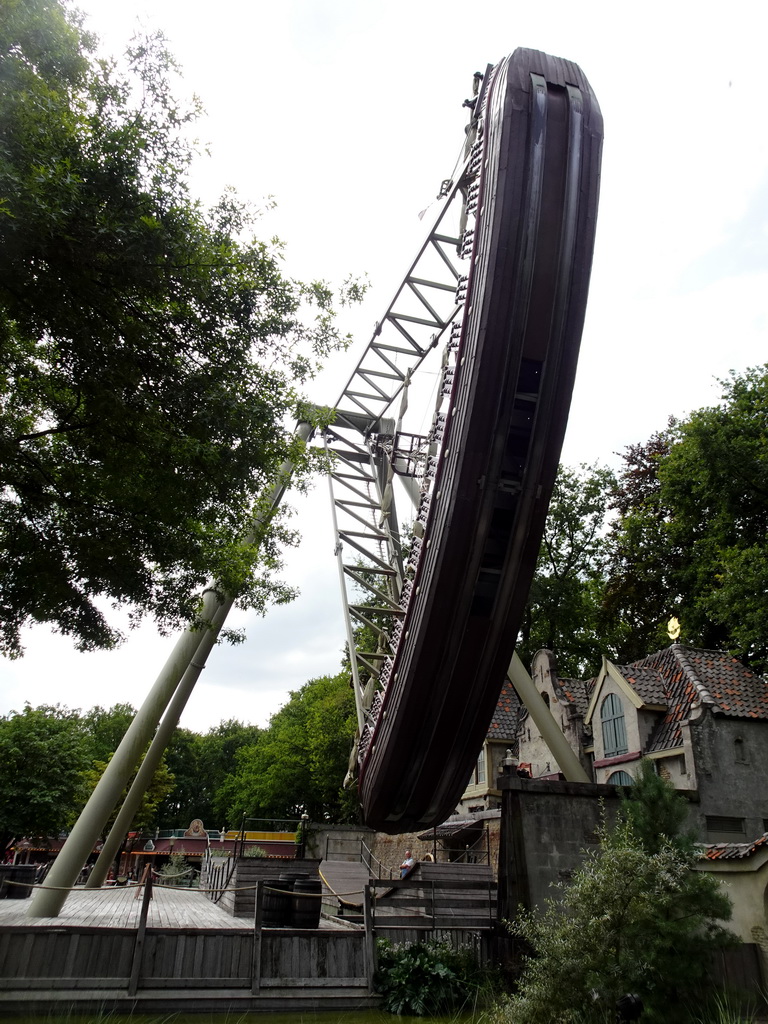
[
  {"x": 156, "y": 750},
  {"x": 258, "y": 919},
  {"x": 88, "y": 827},
  {"x": 567, "y": 761}
]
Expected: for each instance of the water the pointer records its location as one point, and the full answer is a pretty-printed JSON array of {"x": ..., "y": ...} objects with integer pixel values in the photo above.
[{"x": 236, "y": 1017}]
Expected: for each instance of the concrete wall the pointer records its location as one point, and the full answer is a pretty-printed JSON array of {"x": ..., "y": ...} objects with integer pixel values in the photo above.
[
  {"x": 338, "y": 842},
  {"x": 745, "y": 881},
  {"x": 545, "y": 828}
]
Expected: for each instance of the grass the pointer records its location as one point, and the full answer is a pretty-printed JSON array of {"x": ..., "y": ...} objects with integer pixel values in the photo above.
[{"x": 728, "y": 1008}]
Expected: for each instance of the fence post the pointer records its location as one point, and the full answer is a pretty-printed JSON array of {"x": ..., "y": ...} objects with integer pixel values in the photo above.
[
  {"x": 370, "y": 938},
  {"x": 257, "y": 931},
  {"x": 138, "y": 946}
]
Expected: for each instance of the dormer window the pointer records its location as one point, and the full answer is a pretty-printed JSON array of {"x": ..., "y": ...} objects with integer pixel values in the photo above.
[{"x": 614, "y": 730}]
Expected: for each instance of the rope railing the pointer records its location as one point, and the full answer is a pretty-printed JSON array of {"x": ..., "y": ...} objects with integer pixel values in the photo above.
[{"x": 381, "y": 867}]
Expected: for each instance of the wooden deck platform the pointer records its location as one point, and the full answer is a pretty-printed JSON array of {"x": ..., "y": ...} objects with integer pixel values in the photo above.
[{"x": 119, "y": 907}]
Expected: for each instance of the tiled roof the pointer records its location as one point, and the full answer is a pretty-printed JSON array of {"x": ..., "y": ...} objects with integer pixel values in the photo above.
[
  {"x": 681, "y": 677},
  {"x": 733, "y": 689},
  {"x": 734, "y": 851},
  {"x": 648, "y": 683},
  {"x": 576, "y": 691},
  {"x": 504, "y": 722}
]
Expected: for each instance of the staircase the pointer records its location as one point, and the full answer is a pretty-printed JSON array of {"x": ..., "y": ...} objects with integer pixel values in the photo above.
[
  {"x": 344, "y": 885},
  {"x": 441, "y": 896}
]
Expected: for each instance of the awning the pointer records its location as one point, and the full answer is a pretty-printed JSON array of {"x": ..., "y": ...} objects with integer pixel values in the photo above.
[{"x": 450, "y": 829}]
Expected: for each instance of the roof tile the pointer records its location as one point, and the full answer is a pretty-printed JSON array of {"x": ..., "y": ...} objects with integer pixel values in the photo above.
[
  {"x": 733, "y": 851},
  {"x": 682, "y": 677}
]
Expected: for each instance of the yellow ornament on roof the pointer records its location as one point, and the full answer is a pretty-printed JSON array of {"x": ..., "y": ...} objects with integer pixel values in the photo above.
[{"x": 673, "y": 628}]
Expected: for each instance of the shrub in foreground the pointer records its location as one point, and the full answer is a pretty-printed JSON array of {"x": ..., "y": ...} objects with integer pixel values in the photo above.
[{"x": 427, "y": 978}]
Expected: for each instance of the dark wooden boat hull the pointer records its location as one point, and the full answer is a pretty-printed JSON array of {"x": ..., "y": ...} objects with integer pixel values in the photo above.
[{"x": 516, "y": 364}]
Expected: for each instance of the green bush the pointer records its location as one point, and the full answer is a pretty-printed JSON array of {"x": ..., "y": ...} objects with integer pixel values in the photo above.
[
  {"x": 255, "y": 851},
  {"x": 427, "y": 978}
]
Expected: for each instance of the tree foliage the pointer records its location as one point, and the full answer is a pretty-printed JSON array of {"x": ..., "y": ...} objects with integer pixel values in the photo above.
[
  {"x": 564, "y": 609},
  {"x": 201, "y": 765},
  {"x": 639, "y": 575},
  {"x": 160, "y": 785},
  {"x": 43, "y": 760},
  {"x": 50, "y": 760},
  {"x": 691, "y": 536},
  {"x": 151, "y": 351},
  {"x": 656, "y": 811},
  {"x": 104, "y": 728},
  {"x": 716, "y": 480},
  {"x": 297, "y": 765}
]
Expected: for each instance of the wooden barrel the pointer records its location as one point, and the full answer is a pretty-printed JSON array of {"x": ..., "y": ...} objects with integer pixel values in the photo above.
[
  {"x": 276, "y": 905},
  {"x": 19, "y": 879},
  {"x": 291, "y": 877},
  {"x": 306, "y": 903}
]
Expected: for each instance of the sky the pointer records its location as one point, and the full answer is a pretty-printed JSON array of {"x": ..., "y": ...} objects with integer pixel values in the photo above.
[{"x": 349, "y": 114}]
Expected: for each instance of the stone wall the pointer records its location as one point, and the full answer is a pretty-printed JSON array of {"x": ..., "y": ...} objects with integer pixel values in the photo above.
[
  {"x": 545, "y": 828},
  {"x": 344, "y": 842},
  {"x": 731, "y": 758}
]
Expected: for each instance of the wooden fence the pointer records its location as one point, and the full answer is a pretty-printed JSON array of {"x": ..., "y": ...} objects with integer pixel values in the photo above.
[{"x": 153, "y": 967}]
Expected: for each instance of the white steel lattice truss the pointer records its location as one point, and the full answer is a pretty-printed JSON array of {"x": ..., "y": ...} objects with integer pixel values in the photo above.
[{"x": 370, "y": 445}]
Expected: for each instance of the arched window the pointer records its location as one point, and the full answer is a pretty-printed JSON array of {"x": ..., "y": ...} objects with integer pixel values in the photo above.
[
  {"x": 614, "y": 732},
  {"x": 621, "y": 779},
  {"x": 480, "y": 768}
]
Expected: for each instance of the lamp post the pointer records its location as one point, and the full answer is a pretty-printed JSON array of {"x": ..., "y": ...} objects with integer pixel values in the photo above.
[
  {"x": 508, "y": 763},
  {"x": 303, "y": 835}
]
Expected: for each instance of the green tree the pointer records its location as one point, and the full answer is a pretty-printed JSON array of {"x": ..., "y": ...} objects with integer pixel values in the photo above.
[
  {"x": 151, "y": 351},
  {"x": 43, "y": 758},
  {"x": 635, "y": 918},
  {"x": 691, "y": 538},
  {"x": 147, "y": 812},
  {"x": 200, "y": 765},
  {"x": 657, "y": 813},
  {"x": 566, "y": 596},
  {"x": 181, "y": 756},
  {"x": 639, "y": 590},
  {"x": 715, "y": 478},
  {"x": 299, "y": 762},
  {"x": 104, "y": 728}
]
